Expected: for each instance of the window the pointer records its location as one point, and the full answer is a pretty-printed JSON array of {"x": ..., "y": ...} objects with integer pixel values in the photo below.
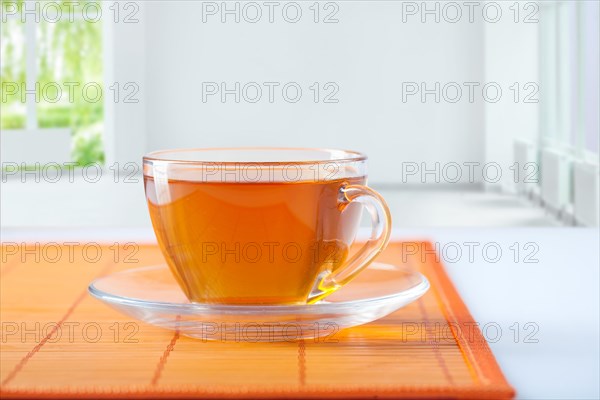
[
  {"x": 590, "y": 83},
  {"x": 12, "y": 72},
  {"x": 51, "y": 72},
  {"x": 569, "y": 82}
]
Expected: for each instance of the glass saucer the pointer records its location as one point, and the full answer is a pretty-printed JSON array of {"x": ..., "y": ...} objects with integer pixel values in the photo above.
[{"x": 151, "y": 294}]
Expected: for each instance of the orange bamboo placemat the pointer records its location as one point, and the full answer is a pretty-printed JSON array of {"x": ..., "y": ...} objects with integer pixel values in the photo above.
[{"x": 59, "y": 342}]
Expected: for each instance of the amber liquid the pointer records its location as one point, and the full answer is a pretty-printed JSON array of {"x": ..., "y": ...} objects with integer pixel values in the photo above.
[{"x": 251, "y": 243}]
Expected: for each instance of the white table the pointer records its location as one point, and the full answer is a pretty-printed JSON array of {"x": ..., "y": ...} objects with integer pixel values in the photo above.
[{"x": 553, "y": 304}]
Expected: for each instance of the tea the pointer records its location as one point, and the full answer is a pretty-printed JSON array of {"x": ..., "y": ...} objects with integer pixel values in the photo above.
[{"x": 252, "y": 243}]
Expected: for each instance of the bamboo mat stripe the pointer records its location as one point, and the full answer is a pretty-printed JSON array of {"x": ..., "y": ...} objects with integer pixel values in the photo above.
[
  {"x": 163, "y": 360},
  {"x": 434, "y": 345},
  {"x": 53, "y": 331},
  {"x": 420, "y": 351}
]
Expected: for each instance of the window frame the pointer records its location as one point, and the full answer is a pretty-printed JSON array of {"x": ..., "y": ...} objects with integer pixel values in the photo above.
[{"x": 553, "y": 133}]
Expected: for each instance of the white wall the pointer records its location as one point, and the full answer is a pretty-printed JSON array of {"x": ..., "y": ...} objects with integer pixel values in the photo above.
[
  {"x": 369, "y": 53},
  {"x": 125, "y": 83},
  {"x": 511, "y": 55}
]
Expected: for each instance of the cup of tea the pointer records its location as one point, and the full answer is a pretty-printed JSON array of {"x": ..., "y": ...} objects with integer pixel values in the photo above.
[{"x": 268, "y": 226}]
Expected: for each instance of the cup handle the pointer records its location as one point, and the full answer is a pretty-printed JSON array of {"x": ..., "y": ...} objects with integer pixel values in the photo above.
[{"x": 380, "y": 236}]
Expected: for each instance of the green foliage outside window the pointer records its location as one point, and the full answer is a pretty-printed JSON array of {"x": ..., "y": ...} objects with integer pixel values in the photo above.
[{"x": 67, "y": 53}]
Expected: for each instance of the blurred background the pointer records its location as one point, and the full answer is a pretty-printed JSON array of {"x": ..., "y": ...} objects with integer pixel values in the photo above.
[
  {"x": 474, "y": 114},
  {"x": 478, "y": 114}
]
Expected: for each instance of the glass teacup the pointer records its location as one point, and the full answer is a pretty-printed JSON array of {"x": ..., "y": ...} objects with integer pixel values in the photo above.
[{"x": 262, "y": 225}]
